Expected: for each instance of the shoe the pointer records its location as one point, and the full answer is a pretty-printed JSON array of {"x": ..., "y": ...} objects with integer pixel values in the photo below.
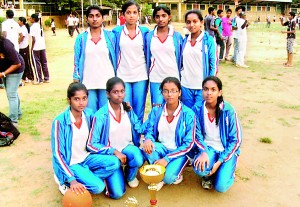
[
  {"x": 2, "y": 86},
  {"x": 46, "y": 81},
  {"x": 178, "y": 180},
  {"x": 244, "y": 66},
  {"x": 227, "y": 59},
  {"x": 62, "y": 188},
  {"x": 21, "y": 84},
  {"x": 37, "y": 83},
  {"x": 207, "y": 185},
  {"x": 134, "y": 183},
  {"x": 237, "y": 65},
  {"x": 160, "y": 185}
]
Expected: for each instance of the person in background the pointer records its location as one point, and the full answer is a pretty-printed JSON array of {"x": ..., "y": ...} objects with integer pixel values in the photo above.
[
  {"x": 268, "y": 21},
  {"x": 95, "y": 58},
  {"x": 11, "y": 71},
  {"x": 75, "y": 167},
  {"x": 163, "y": 52},
  {"x": 76, "y": 24},
  {"x": 291, "y": 36},
  {"x": 218, "y": 139},
  {"x": 238, "y": 10},
  {"x": 38, "y": 48},
  {"x": 242, "y": 24},
  {"x": 71, "y": 23},
  {"x": 170, "y": 133},
  {"x": 24, "y": 50},
  {"x": 227, "y": 32},
  {"x": 53, "y": 27},
  {"x": 131, "y": 58},
  {"x": 219, "y": 36}
]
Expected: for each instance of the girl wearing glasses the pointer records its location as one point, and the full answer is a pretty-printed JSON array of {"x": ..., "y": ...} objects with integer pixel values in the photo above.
[
  {"x": 169, "y": 134},
  {"x": 75, "y": 167},
  {"x": 222, "y": 134},
  {"x": 198, "y": 58},
  {"x": 163, "y": 52},
  {"x": 131, "y": 55},
  {"x": 115, "y": 131}
]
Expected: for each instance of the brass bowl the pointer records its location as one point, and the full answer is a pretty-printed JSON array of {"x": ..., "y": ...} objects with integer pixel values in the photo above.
[{"x": 152, "y": 173}]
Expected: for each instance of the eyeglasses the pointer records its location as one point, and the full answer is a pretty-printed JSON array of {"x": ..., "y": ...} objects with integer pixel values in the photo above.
[{"x": 166, "y": 92}]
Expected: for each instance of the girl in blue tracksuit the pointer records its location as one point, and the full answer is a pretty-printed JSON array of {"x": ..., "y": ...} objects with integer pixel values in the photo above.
[
  {"x": 198, "y": 58},
  {"x": 131, "y": 58},
  {"x": 73, "y": 165},
  {"x": 170, "y": 133},
  {"x": 222, "y": 134},
  {"x": 163, "y": 52},
  {"x": 115, "y": 131},
  {"x": 94, "y": 58}
]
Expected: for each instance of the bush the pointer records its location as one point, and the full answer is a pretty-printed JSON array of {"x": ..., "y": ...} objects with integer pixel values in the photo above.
[
  {"x": 47, "y": 22},
  {"x": 2, "y": 19}
]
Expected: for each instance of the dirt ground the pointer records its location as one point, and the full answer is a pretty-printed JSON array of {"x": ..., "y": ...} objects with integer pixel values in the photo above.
[{"x": 266, "y": 97}]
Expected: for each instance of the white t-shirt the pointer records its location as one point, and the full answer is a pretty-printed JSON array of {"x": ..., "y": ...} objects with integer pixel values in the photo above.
[
  {"x": 212, "y": 132},
  {"x": 120, "y": 134},
  {"x": 70, "y": 21},
  {"x": 132, "y": 63},
  {"x": 12, "y": 30},
  {"x": 163, "y": 60},
  {"x": 35, "y": 31},
  {"x": 76, "y": 21},
  {"x": 25, "y": 34},
  {"x": 167, "y": 129},
  {"x": 80, "y": 137},
  {"x": 192, "y": 73},
  {"x": 97, "y": 65},
  {"x": 241, "y": 33},
  {"x": 53, "y": 24}
]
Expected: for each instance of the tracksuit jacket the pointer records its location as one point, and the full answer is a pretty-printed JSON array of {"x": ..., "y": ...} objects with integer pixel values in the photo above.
[
  {"x": 209, "y": 55},
  {"x": 118, "y": 30},
  {"x": 98, "y": 141},
  {"x": 184, "y": 132},
  {"x": 177, "y": 39},
  {"x": 61, "y": 143},
  {"x": 230, "y": 130},
  {"x": 79, "y": 52}
]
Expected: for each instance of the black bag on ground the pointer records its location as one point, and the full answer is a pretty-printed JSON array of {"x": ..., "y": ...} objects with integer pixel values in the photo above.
[{"x": 7, "y": 126}]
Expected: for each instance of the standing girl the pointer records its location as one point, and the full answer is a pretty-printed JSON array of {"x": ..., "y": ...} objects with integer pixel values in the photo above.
[
  {"x": 75, "y": 167},
  {"x": 169, "y": 134},
  {"x": 198, "y": 58},
  {"x": 24, "y": 49},
  {"x": 163, "y": 52},
  {"x": 131, "y": 56},
  {"x": 11, "y": 71},
  {"x": 221, "y": 132},
  {"x": 115, "y": 131},
  {"x": 53, "y": 27}
]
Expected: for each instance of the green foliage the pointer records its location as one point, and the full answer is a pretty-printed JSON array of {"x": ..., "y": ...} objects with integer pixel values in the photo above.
[
  {"x": 147, "y": 10},
  {"x": 47, "y": 22},
  {"x": 266, "y": 140},
  {"x": 2, "y": 19}
]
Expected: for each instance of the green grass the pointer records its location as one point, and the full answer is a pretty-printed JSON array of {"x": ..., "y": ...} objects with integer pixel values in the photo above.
[{"x": 266, "y": 140}]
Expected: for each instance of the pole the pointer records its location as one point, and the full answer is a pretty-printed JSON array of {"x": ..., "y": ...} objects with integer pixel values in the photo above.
[{"x": 82, "y": 15}]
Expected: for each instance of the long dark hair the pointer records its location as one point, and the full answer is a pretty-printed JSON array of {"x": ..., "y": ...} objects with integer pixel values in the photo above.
[
  {"x": 220, "y": 98},
  {"x": 128, "y": 4},
  {"x": 110, "y": 85},
  {"x": 23, "y": 20},
  {"x": 73, "y": 87}
]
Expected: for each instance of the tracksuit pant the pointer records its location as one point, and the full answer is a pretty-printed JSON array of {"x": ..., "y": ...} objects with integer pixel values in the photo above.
[
  {"x": 235, "y": 49},
  {"x": 24, "y": 52},
  {"x": 174, "y": 168},
  {"x": 156, "y": 95},
  {"x": 190, "y": 97},
  {"x": 224, "y": 177},
  {"x": 40, "y": 65},
  {"x": 228, "y": 43},
  {"x": 136, "y": 94},
  {"x": 97, "y": 172},
  {"x": 135, "y": 160},
  {"x": 241, "y": 52},
  {"x": 97, "y": 99}
]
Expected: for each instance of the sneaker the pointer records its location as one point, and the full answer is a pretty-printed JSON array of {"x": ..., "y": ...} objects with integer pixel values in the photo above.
[
  {"x": 244, "y": 66},
  {"x": 62, "y": 188},
  {"x": 46, "y": 81},
  {"x": 134, "y": 183},
  {"x": 37, "y": 83},
  {"x": 160, "y": 185},
  {"x": 207, "y": 185},
  {"x": 178, "y": 180}
]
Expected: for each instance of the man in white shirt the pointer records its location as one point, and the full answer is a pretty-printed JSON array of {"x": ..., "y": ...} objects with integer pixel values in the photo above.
[
  {"x": 39, "y": 51},
  {"x": 76, "y": 24},
  {"x": 71, "y": 24},
  {"x": 11, "y": 29},
  {"x": 242, "y": 24}
]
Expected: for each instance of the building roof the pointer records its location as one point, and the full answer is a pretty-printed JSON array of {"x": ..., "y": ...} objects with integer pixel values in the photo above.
[{"x": 241, "y": 2}]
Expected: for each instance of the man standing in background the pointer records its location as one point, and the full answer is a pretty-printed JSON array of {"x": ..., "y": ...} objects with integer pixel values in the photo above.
[
  {"x": 71, "y": 24},
  {"x": 227, "y": 33}
]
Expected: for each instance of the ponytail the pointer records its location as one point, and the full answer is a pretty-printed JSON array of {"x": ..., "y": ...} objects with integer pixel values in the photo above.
[{"x": 218, "y": 109}]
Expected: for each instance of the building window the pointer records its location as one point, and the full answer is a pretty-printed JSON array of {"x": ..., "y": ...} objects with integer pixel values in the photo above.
[
  {"x": 189, "y": 7},
  {"x": 268, "y": 8},
  {"x": 202, "y": 7},
  {"x": 173, "y": 6},
  {"x": 259, "y": 8},
  {"x": 248, "y": 8},
  {"x": 195, "y": 6},
  {"x": 226, "y": 7},
  {"x": 294, "y": 10}
]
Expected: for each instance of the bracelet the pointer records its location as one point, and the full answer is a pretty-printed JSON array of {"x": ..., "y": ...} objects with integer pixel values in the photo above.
[{"x": 3, "y": 74}]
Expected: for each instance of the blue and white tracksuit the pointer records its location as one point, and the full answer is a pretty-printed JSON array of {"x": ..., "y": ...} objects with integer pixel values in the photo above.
[
  {"x": 231, "y": 138},
  {"x": 98, "y": 142},
  {"x": 209, "y": 58},
  {"x": 97, "y": 97},
  {"x": 136, "y": 92},
  {"x": 184, "y": 138},
  {"x": 156, "y": 96},
  {"x": 95, "y": 172}
]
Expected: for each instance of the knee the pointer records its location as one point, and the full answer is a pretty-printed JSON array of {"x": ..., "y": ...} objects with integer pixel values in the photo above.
[
  {"x": 170, "y": 178},
  {"x": 117, "y": 195},
  {"x": 222, "y": 187},
  {"x": 97, "y": 189},
  {"x": 201, "y": 173},
  {"x": 139, "y": 161}
]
